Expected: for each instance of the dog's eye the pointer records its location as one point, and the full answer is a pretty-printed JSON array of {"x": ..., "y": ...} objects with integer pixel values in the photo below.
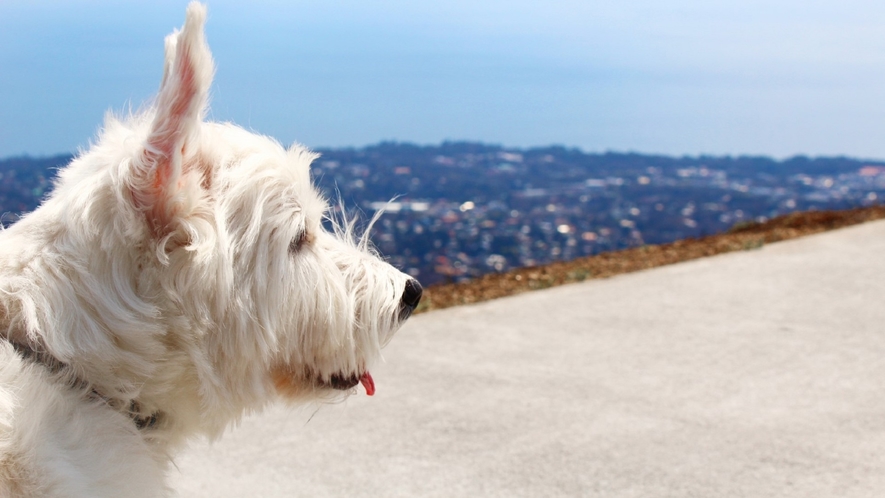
[{"x": 300, "y": 241}]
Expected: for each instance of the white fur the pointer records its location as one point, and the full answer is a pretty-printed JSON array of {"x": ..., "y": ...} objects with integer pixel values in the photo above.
[{"x": 180, "y": 267}]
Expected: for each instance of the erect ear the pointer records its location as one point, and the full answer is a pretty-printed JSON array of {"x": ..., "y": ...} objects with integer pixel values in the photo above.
[
  {"x": 160, "y": 185},
  {"x": 170, "y": 43}
]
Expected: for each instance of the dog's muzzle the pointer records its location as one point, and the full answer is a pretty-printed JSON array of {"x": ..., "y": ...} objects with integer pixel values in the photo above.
[
  {"x": 408, "y": 302},
  {"x": 410, "y": 299}
]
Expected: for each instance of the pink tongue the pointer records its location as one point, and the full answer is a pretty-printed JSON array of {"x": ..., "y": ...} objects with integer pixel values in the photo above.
[{"x": 369, "y": 383}]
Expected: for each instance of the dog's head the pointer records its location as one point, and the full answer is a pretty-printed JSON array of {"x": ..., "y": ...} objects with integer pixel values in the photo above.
[{"x": 218, "y": 236}]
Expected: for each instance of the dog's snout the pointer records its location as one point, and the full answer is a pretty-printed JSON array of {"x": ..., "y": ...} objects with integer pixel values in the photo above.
[{"x": 412, "y": 293}]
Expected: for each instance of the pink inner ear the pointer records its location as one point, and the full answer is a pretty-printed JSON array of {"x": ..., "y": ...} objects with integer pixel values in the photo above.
[
  {"x": 160, "y": 172},
  {"x": 175, "y": 113},
  {"x": 178, "y": 109}
]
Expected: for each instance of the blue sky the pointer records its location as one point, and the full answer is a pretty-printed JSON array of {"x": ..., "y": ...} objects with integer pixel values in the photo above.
[{"x": 776, "y": 77}]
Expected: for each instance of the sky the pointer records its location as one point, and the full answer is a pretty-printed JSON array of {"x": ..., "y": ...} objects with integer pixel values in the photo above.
[{"x": 682, "y": 77}]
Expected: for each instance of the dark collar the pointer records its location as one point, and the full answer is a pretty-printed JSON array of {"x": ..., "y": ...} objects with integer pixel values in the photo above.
[{"x": 58, "y": 367}]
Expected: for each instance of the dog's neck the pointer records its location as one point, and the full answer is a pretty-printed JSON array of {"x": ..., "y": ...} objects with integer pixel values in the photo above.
[{"x": 65, "y": 373}]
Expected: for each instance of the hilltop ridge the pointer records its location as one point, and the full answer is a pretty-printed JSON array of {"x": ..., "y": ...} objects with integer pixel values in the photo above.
[{"x": 748, "y": 236}]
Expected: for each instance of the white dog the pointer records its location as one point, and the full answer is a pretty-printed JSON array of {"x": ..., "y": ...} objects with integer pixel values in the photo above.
[{"x": 178, "y": 277}]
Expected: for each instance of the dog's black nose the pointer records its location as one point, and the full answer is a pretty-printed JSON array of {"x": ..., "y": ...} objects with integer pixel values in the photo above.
[{"x": 412, "y": 293}]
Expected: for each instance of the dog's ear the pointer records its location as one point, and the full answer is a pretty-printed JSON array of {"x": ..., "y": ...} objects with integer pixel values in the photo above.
[
  {"x": 160, "y": 182},
  {"x": 170, "y": 43}
]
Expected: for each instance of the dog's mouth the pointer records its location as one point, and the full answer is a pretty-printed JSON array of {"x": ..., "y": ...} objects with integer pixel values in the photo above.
[
  {"x": 346, "y": 382},
  {"x": 294, "y": 383}
]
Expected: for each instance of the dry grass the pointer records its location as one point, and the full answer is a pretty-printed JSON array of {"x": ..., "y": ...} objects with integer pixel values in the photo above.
[{"x": 739, "y": 238}]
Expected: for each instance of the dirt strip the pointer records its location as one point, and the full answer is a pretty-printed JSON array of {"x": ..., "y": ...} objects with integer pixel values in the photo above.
[{"x": 740, "y": 238}]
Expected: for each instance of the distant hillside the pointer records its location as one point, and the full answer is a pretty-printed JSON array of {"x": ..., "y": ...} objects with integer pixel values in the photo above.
[
  {"x": 24, "y": 181},
  {"x": 463, "y": 210}
]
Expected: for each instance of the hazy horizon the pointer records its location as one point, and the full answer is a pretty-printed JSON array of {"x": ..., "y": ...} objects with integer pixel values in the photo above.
[
  {"x": 517, "y": 148},
  {"x": 687, "y": 78}
]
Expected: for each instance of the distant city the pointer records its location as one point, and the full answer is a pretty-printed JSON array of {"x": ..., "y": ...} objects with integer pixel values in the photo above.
[{"x": 460, "y": 210}]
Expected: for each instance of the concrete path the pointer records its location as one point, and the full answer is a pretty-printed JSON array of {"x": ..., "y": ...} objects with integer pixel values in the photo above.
[{"x": 759, "y": 373}]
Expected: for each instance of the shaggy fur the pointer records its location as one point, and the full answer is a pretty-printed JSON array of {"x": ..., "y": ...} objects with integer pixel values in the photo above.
[{"x": 178, "y": 277}]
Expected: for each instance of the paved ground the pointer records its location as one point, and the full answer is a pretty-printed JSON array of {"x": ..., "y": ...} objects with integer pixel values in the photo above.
[{"x": 759, "y": 373}]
